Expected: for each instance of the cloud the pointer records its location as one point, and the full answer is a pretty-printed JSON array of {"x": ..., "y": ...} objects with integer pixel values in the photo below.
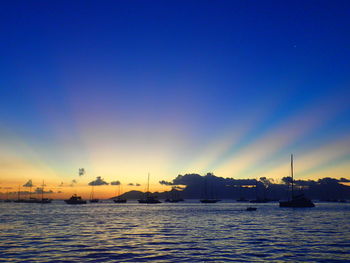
[
  {"x": 73, "y": 182},
  {"x": 39, "y": 190},
  {"x": 344, "y": 180},
  {"x": 132, "y": 184},
  {"x": 115, "y": 183},
  {"x": 28, "y": 184},
  {"x": 81, "y": 171},
  {"x": 165, "y": 182},
  {"x": 194, "y": 180},
  {"x": 60, "y": 185},
  {"x": 98, "y": 181},
  {"x": 178, "y": 188}
]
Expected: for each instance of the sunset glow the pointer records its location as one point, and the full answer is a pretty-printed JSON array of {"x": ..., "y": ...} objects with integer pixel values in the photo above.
[{"x": 123, "y": 95}]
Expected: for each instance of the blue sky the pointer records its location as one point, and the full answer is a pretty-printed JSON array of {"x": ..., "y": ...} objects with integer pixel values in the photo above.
[{"x": 124, "y": 88}]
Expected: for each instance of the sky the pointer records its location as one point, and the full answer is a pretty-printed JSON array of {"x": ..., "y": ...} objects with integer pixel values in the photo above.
[{"x": 127, "y": 88}]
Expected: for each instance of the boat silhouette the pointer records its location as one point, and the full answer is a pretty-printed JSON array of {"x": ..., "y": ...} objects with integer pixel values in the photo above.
[
  {"x": 75, "y": 200},
  {"x": 92, "y": 199},
  {"x": 174, "y": 200},
  {"x": 296, "y": 200},
  {"x": 119, "y": 199},
  {"x": 174, "y": 197},
  {"x": 251, "y": 208},
  {"x": 33, "y": 200},
  {"x": 43, "y": 200},
  {"x": 149, "y": 198},
  {"x": 207, "y": 200}
]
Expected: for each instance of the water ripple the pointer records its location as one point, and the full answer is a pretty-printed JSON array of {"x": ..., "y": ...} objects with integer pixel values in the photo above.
[{"x": 187, "y": 232}]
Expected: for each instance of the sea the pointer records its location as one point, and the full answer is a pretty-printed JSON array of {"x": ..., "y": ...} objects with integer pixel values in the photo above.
[{"x": 173, "y": 232}]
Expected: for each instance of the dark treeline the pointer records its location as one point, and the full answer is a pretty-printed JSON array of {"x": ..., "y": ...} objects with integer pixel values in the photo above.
[{"x": 211, "y": 186}]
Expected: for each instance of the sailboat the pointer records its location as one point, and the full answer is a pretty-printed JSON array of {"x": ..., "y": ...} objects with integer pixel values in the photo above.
[
  {"x": 257, "y": 198},
  {"x": 43, "y": 200},
  {"x": 21, "y": 200},
  {"x": 208, "y": 200},
  {"x": 119, "y": 200},
  {"x": 297, "y": 200},
  {"x": 150, "y": 199},
  {"x": 7, "y": 200},
  {"x": 92, "y": 199}
]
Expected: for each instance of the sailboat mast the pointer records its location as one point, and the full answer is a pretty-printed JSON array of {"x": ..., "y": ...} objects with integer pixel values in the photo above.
[
  {"x": 42, "y": 191},
  {"x": 148, "y": 184},
  {"x": 92, "y": 192},
  {"x": 292, "y": 173}
]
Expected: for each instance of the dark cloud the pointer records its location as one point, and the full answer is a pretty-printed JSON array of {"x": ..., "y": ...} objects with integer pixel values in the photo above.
[
  {"x": 73, "y": 182},
  {"x": 81, "y": 171},
  {"x": 344, "y": 180},
  {"x": 197, "y": 186},
  {"x": 28, "y": 184},
  {"x": 130, "y": 184},
  {"x": 98, "y": 181},
  {"x": 137, "y": 184},
  {"x": 115, "y": 183},
  {"x": 39, "y": 190},
  {"x": 165, "y": 182}
]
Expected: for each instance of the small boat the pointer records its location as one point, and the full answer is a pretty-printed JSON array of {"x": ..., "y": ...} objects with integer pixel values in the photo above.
[
  {"x": 7, "y": 200},
  {"x": 260, "y": 200},
  {"x": 31, "y": 200},
  {"x": 174, "y": 197},
  {"x": 174, "y": 200},
  {"x": 92, "y": 199},
  {"x": 296, "y": 200},
  {"x": 119, "y": 200},
  {"x": 242, "y": 199},
  {"x": 150, "y": 199},
  {"x": 75, "y": 200},
  {"x": 209, "y": 201},
  {"x": 43, "y": 200},
  {"x": 251, "y": 208}
]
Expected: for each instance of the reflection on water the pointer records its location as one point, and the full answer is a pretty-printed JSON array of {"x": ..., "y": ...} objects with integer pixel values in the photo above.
[{"x": 186, "y": 232}]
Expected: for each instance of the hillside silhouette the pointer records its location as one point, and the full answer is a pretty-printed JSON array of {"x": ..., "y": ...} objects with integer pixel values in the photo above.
[{"x": 195, "y": 186}]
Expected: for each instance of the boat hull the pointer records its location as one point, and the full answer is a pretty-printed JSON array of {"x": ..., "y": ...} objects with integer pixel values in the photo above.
[
  {"x": 209, "y": 201},
  {"x": 119, "y": 201},
  {"x": 297, "y": 203},
  {"x": 70, "y": 202},
  {"x": 145, "y": 201}
]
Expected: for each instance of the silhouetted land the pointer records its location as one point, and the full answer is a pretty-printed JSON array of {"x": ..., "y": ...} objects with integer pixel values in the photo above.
[{"x": 192, "y": 186}]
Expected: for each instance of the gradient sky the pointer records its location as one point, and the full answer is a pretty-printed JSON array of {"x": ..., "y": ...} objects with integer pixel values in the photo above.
[{"x": 123, "y": 88}]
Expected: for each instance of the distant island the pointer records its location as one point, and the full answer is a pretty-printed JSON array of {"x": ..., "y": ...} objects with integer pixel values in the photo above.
[{"x": 195, "y": 186}]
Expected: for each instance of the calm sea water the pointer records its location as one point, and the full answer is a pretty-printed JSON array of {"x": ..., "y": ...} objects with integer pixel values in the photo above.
[{"x": 183, "y": 232}]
